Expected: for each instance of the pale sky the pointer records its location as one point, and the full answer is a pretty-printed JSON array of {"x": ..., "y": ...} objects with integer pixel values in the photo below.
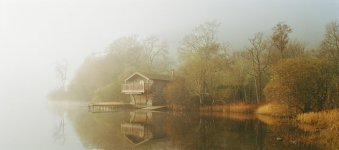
[{"x": 36, "y": 34}]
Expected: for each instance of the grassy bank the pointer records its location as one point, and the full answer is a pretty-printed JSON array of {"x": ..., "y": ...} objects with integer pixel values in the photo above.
[
  {"x": 323, "y": 127},
  {"x": 323, "y": 119},
  {"x": 319, "y": 128},
  {"x": 275, "y": 109},
  {"x": 271, "y": 109}
]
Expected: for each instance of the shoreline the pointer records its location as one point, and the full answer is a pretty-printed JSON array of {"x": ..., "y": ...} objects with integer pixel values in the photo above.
[{"x": 269, "y": 112}]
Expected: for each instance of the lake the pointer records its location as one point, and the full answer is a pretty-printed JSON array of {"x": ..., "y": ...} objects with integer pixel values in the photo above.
[
  {"x": 144, "y": 129},
  {"x": 53, "y": 125}
]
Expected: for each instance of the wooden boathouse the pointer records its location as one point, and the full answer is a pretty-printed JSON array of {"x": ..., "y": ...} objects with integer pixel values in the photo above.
[{"x": 145, "y": 89}]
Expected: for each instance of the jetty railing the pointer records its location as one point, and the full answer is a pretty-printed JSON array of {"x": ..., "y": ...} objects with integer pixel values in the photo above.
[{"x": 107, "y": 107}]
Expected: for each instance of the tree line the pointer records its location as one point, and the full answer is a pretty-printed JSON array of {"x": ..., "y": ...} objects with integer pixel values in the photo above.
[{"x": 271, "y": 67}]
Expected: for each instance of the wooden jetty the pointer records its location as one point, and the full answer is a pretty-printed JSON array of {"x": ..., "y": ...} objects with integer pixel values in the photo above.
[
  {"x": 101, "y": 107},
  {"x": 106, "y": 106}
]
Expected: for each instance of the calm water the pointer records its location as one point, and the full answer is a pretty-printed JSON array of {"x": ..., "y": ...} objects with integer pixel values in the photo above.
[
  {"x": 64, "y": 126},
  {"x": 137, "y": 129}
]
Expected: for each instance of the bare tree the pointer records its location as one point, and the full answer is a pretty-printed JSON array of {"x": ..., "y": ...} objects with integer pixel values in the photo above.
[
  {"x": 201, "y": 53},
  {"x": 257, "y": 53},
  {"x": 329, "y": 49},
  {"x": 62, "y": 73},
  {"x": 330, "y": 43},
  {"x": 155, "y": 50},
  {"x": 295, "y": 49},
  {"x": 239, "y": 74}
]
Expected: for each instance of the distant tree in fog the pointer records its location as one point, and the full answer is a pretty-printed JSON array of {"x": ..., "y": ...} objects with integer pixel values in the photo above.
[
  {"x": 155, "y": 51},
  {"x": 61, "y": 69},
  {"x": 280, "y": 37},
  {"x": 330, "y": 44}
]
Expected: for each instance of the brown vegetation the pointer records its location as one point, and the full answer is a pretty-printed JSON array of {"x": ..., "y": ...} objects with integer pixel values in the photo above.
[
  {"x": 269, "y": 120},
  {"x": 323, "y": 119},
  {"x": 302, "y": 83},
  {"x": 323, "y": 127},
  {"x": 274, "y": 109},
  {"x": 232, "y": 107}
]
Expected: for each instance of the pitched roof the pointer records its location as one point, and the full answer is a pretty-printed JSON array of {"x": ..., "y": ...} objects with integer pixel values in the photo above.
[{"x": 151, "y": 76}]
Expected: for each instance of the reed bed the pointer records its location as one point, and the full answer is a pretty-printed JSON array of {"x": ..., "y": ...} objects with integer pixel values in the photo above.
[
  {"x": 327, "y": 118},
  {"x": 324, "y": 125},
  {"x": 274, "y": 109},
  {"x": 232, "y": 107}
]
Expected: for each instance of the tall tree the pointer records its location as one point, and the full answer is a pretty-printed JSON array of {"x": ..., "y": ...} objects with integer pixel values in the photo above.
[
  {"x": 280, "y": 37},
  {"x": 155, "y": 52},
  {"x": 329, "y": 49},
  {"x": 257, "y": 53},
  {"x": 239, "y": 79},
  {"x": 202, "y": 57},
  {"x": 330, "y": 44}
]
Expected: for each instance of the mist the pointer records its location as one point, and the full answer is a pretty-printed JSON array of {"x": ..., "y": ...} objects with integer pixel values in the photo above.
[{"x": 36, "y": 35}]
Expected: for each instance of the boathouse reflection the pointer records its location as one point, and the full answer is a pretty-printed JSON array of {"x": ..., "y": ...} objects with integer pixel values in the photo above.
[{"x": 143, "y": 126}]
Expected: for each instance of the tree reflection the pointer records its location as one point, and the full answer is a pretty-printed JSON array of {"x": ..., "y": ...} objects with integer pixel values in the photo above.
[
  {"x": 59, "y": 132},
  {"x": 199, "y": 132},
  {"x": 185, "y": 130}
]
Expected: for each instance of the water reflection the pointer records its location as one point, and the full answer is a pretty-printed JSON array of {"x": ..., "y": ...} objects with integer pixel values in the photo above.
[
  {"x": 138, "y": 129},
  {"x": 59, "y": 132},
  {"x": 142, "y": 127},
  {"x": 205, "y": 132}
]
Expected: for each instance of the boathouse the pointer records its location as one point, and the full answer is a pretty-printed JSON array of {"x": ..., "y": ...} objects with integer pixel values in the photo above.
[{"x": 145, "y": 89}]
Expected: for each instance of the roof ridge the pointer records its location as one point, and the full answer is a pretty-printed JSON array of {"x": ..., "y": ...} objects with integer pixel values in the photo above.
[{"x": 151, "y": 76}]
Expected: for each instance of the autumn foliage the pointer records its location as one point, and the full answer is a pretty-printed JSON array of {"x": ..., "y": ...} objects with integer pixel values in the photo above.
[{"x": 301, "y": 82}]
